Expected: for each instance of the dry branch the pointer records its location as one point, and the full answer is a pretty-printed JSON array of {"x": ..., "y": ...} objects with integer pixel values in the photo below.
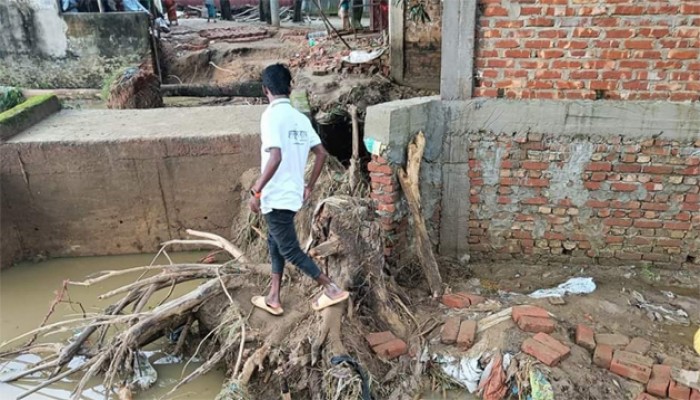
[{"x": 409, "y": 180}]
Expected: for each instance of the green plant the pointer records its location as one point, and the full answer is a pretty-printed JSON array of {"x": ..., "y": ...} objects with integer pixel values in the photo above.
[
  {"x": 416, "y": 10},
  {"x": 119, "y": 74},
  {"x": 10, "y": 97},
  {"x": 648, "y": 273}
]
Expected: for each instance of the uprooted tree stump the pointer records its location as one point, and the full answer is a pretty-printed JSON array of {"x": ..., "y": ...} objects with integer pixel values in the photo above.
[
  {"x": 298, "y": 347},
  {"x": 134, "y": 88}
]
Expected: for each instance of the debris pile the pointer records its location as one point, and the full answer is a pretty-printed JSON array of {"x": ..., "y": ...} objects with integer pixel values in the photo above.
[{"x": 468, "y": 348}]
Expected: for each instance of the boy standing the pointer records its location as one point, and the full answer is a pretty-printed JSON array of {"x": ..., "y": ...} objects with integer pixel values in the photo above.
[{"x": 287, "y": 138}]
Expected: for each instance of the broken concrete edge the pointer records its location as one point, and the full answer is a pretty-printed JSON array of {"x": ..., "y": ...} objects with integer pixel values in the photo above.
[
  {"x": 27, "y": 114},
  {"x": 390, "y": 126}
]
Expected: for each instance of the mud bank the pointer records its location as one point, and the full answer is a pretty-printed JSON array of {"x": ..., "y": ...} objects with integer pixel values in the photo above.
[{"x": 116, "y": 182}]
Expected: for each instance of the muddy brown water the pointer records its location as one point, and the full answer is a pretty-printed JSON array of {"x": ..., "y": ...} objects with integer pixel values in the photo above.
[{"x": 26, "y": 291}]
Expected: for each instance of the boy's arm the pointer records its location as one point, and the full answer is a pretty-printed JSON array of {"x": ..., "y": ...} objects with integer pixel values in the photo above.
[
  {"x": 270, "y": 168},
  {"x": 320, "y": 158}
]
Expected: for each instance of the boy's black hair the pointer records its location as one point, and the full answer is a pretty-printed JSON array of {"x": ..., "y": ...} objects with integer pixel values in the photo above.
[{"x": 277, "y": 79}]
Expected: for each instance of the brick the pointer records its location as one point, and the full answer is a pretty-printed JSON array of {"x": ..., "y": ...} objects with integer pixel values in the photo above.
[
  {"x": 602, "y": 356},
  {"x": 531, "y": 311},
  {"x": 613, "y": 340},
  {"x": 676, "y": 391},
  {"x": 531, "y": 324},
  {"x": 541, "y": 352},
  {"x": 379, "y": 168},
  {"x": 695, "y": 394},
  {"x": 473, "y": 299},
  {"x": 467, "y": 335},
  {"x": 623, "y": 187},
  {"x": 377, "y": 338},
  {"x": 450, "y": 330},
  {"x": 648, "y": 224},
  {"x": 645, "y": 396},
  {"x": 455, "y": 301},
  {"x": 639, "y": 346},
  {"x": 553, "y": 344},
  {"x": 391, "y": 349},
  {"x": 585, "y": 337},
  {"x": 660, "y": 380},
  {"x": 599, "y": 166},
  {"x": 632, "y": 366},
  {"x": 535, "y": 165}
]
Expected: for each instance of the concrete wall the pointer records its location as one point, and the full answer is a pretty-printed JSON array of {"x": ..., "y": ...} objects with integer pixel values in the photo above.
[
  {"x": 111, "y": 182},
  {"x": 40, "y": 48},
  {"x": 629, "y": 50},
  {"x": 547, "y": 181}
]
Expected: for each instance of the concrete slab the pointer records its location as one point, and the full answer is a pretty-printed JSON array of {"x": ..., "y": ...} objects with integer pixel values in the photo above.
[{"x": 111, "y": 125}]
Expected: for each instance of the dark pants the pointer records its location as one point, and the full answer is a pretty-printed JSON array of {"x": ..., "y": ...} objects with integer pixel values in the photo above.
[{"x": 284, "y": 245}]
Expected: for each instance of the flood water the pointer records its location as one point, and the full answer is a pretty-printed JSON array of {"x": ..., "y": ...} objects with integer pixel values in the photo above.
[{"x": 27, "y": 289}]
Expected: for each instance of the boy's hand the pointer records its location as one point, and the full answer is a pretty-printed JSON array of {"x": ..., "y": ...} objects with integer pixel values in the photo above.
[
  {"x": 307, "y": 192},
  {"x": 254, "y": 204}
]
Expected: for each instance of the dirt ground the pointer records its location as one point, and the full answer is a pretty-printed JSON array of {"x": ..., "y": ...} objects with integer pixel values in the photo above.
[{"x": 227, "y": 52}]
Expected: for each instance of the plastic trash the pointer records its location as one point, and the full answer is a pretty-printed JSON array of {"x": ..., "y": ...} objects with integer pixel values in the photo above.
[
  {"x": 686, "y": 377},
  {"x": 696, "y": 342},
  {"x": 572, "y": 286},
  {"x": 363, "y": 56},
  {"x": 541, "y": 388},
  {"x": 463, "y": 371},
  {"x": 144, "y": 374},
  {"x": 657, "y": 312},
  {"x": 317, "y": 35}
]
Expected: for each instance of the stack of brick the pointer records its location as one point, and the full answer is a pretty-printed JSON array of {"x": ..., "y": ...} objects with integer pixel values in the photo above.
[
  {"x": 546, "y": 349},
  {"x": 628, "y": 358},
  {"x": 461, "y": 333},
  {"x": 386, "y": 345},
  {"x": 533, "y": 319},
  {"x": 461, "y": 300},
  {"x": 385, "y": 193}
]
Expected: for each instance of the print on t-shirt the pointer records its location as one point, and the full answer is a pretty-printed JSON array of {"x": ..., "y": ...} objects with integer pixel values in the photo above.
[{"x": 297, "y": 137}]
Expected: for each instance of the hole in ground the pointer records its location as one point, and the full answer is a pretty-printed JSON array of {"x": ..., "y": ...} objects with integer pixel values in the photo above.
[{"x": 337, "y": 139}]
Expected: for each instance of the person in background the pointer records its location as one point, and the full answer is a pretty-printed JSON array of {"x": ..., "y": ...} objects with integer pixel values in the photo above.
[
  {"x": 344, "y": 13},
  {"x": 69, "y": 6},
  {"x": 211, "y": 10},
  {"x": 171, "y": 10},
  {"x": 279, "y": 193}
]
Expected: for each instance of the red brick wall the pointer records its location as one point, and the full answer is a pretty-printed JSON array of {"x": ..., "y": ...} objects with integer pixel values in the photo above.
[
  {"x": 386, "y": 191},
  {"x": 583, "y": 49},
  {"x": 610, "y": 201}
]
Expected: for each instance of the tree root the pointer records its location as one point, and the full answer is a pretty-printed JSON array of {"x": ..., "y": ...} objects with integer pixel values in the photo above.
[{"x": 297, "y": 347}]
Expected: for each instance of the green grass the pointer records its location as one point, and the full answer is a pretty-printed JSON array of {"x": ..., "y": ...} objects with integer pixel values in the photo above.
[{"x": 18, "y": 109}]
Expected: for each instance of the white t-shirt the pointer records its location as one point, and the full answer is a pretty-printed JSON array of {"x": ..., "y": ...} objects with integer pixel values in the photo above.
[{"x": 284, "y": 127}]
